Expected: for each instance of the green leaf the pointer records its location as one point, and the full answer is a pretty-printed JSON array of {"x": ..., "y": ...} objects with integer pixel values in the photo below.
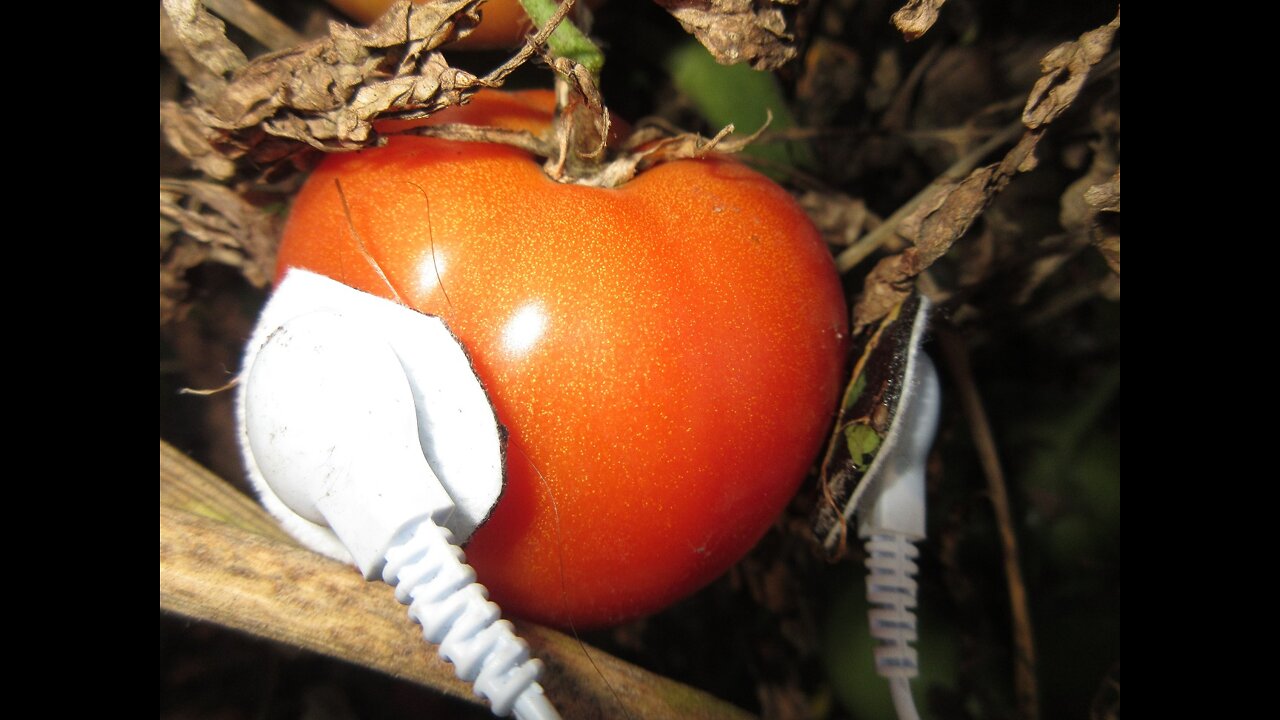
[
  {"x": 854, "y": 392},
  {"x": 739, "y": 96},
  {"x": 863, "y": 443}
]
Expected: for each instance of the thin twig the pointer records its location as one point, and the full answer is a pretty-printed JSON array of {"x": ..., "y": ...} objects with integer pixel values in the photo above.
[
  {"x": 872, "y": 241},
  {"x": 1024, "y": 674},
  {"x": 461, "y": 132},
  {"x": 532, "y": 46}
]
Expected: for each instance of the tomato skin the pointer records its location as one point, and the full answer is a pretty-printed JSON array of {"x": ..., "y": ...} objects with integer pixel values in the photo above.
[{"x": 666, "y": 355}]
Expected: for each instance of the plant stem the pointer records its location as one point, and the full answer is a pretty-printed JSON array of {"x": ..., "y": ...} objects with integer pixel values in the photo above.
[
  {"x": 567, "y": 41},
  {"x": 1024, "y": 670}
]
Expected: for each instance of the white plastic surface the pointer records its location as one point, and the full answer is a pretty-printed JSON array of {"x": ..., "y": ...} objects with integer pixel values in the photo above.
[
  {"x": 339, "y": 414},
  {"x": 457, "y": 429},
  {"x": 899, "y": 467},
  {"x": 331, "y": 423}
]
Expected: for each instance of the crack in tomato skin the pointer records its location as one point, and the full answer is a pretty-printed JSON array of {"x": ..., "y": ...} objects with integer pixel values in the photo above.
[{"x": 663, "y": 352}]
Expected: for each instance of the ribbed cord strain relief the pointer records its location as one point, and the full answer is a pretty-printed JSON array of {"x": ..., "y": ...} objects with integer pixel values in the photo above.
[
  {"x": 430, "y": 575},
  {"x": 891, "y": 590}
]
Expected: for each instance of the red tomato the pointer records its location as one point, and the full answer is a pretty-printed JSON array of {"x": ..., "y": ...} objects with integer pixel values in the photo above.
[{"x": 666, "y": 355}]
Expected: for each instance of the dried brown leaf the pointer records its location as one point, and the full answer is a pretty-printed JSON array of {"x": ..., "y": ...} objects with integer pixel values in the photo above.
[
  {"x": 841, "y": 219},
  {"x": 1105, "y": 197},
  {"x": 655, "y": 144},
  {"x": 194, "y": 141},
  {"x": 582, "y": 121},
  {"x": 522, "y": 139},
  {"x": 941, "y": 214},
  {"x": 1076, "y": 214},
  {"x": 941, "y": 218},
  {"x": 205, "y": 222},
  {"x": 1065, "y": 69},
  {"x": 1105, "y": 200},
  {"x": 326, "y": 93},
  {"x": 917, "y": 16},
  {"x": 1109, "y": 245},
  {"x": 1090, "y": 207},
  {"x": 735, "y": 31},
  {"x": 203, "y": 82},
  {"x": 885, "y": 287},
  {"x": 204, "y": 37}
]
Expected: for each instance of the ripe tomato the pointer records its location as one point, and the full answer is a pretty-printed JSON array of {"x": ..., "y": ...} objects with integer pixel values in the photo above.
[{"x": 666, "y": 355}]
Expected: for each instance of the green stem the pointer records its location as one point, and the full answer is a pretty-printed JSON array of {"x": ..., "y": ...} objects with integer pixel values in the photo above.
[{"x": 567, "y": 41}]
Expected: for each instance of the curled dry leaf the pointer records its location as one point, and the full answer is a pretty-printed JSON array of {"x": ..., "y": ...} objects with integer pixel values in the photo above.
[
  {"x": 1065, "y": 69},
  {"x": 841, "y": 219},
  {"x": 735, "y": 31},
  {"x": 1077, "y": 214},
  {"x": 1104, "y": 198},
  {"x": 655, "y": 144},
  {"x": 1090, "y": 208},
  {"x": 950, "y": 208},
  {"x": 204, "y": 82},
  {"x": 204, "y": 37},
  {"x": 323, "y": 94},
  {"x": 939, "y": 220},
  {"x": 457, "y": 132},
  {"x": 582, "y": 124},
  {"x": 916, "y": 17},
  {"x": 205, "y": 222}
]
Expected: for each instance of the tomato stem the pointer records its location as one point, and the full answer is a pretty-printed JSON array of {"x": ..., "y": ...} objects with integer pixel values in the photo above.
[{"x": 567, "y": 41}]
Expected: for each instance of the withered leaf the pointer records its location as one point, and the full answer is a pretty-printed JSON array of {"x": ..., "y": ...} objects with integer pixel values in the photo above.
[
  {"x": 204, "y": 36},
  {"x": 326, "y": 93},
  {"x": 204, "y": 82},
  {"x": 938, "y": 221},
  {"x": 917, "y": 16},
  {"x": 840, "y": 218},
  {"x": 1105, "y": 197},
  {"x": 653, "y": 145},
  {"x": 194, "y": 140},
  {"x": 206, "y": 222},
  {"x": 735, "y": 31},
  {"x": 1109, "y": 245},
  {"x": 1076, "y": 213},
  {"x": 1065, "y": 69}
]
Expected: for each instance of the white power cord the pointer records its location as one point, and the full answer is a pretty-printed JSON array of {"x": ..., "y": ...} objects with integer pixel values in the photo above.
[
  {"x": 430, "y": 576},
  {"x": 892, "y": 594},
  {"x": 891, "y": 517},
  {"x": 331, "y": 412}
]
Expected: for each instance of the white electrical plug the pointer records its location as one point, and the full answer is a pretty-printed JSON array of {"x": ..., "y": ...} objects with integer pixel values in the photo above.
[
  {"x": 367, "y": 432},
  {"x": 891, "y": 517}
]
